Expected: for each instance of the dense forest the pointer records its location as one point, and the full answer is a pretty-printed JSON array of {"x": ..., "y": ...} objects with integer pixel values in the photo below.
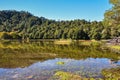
[{"x": 23, "y": 25}]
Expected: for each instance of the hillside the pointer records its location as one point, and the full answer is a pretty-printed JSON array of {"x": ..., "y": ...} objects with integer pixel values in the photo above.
[{"x": 21, "y": 24}]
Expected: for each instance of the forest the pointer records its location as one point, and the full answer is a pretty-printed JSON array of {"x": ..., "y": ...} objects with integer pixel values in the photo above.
[{"x": 24, "y": 25}]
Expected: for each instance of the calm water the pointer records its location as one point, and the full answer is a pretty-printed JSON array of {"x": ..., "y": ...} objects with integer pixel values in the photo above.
[{"x": 32, "y": 62}]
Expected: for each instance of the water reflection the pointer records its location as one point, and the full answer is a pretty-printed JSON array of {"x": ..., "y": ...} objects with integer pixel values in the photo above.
[
  {"x": 89, "y": 67},
  {"x": 38, "y": 60}
]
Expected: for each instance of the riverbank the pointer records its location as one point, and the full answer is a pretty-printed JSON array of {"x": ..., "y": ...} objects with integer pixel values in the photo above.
[
  {"x": 113, "y": 48},
  {"x": 111, "y": 74},
  {"x": 102, "y": 44}
]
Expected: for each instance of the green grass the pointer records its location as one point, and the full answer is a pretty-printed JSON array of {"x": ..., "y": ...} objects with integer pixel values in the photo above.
[
  {"x": 60, "y": 63},
  {"x": 115, "y": 47},
  {"x": 111, "y": 74},
  {"x": 90, "y": 42},
  {"x": 61, "y": 75}
]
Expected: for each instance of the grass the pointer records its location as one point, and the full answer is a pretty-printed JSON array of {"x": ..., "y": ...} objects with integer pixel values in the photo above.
[
  {"x": 115, "y": 47},
  {"x": 108, "y": 74},
  {"x": 62, "y": 41},
  {"x": 111, "y": 74},
  {"x": 60, "y": 63},
  {"x": 61, "y": 75},
  {"x": 90, "y": 42}
]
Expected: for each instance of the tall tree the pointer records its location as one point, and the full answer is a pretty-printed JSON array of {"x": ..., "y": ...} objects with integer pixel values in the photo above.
[{"x": 113, "y": 15}]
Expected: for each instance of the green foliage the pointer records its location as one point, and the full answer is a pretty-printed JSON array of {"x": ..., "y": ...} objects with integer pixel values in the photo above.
[
  {"x": 5, "y": 35},
  {"x": 114, "y": 1},
  {"x": 24, "y": 25},
  {"x": 112, "y": 19}
]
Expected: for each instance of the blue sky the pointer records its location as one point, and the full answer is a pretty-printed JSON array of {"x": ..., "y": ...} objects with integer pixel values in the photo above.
[{"x": 60, "y": 9}]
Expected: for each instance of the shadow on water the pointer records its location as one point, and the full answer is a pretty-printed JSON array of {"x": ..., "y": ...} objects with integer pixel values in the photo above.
[{"x": 39, "y": 60}]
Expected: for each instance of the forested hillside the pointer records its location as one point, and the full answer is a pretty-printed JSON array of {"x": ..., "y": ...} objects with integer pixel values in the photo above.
[{"x": 22, "y": 25}]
